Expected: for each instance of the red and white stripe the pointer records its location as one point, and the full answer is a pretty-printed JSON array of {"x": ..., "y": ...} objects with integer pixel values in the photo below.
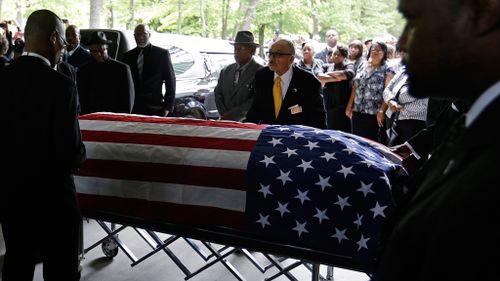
[{"x": 171, "y": 169}]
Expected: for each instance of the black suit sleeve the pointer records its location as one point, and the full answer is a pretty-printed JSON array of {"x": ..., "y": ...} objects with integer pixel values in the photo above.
[{"x": 168, "y": 77}]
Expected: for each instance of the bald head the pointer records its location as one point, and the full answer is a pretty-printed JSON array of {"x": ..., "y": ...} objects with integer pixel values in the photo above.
[
  {"x": 72, "y": 36},
  {"x": 142, "y": 33},
  {"x": 44, "y": 35},
  {"x": 41, "y": 24}
]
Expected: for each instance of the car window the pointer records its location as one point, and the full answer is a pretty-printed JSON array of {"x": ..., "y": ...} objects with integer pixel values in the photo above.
[{"x": 181, "y": 59}]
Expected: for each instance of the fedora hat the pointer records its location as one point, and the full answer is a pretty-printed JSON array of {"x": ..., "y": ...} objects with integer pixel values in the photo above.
[
  {"x": 98, "y": 37},
  {"x": 244, "y": 37}
]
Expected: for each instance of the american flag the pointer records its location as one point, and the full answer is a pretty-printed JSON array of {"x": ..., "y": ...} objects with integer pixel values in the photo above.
[
  {"x": 319, "y": 188},
  {"x": 322, "y": 189}
]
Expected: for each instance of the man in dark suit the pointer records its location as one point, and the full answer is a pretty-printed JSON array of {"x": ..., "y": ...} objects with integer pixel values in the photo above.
[
  {"x": 75, "y": 55},
  {"x": 331, "y": 37},
  {"x": 151, "y": 69},
  {"x": 235, "y": 88},
  {"x": 286, "y": 94},
  {"x": 104, "y": 84},
  {"x": 446, "y": 227},
  {"x": 42, "y": 146}
]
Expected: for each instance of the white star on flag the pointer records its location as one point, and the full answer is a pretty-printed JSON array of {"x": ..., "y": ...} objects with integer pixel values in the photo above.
[
  {"x": 358, "y": 222},
  {"x": 265, "y": 190},
  {"x": 300, "y": 228},
  {"x": 323, "y": 182},
  {"x": 340, "y": 235},
  {"x": 268, "y": 160},
  {"x": 342, "y": 202},
  {"x": 284, "y": 177},
  {"x": 263, "y": 220},
  {"x": 306, "y": 165},
  {"x": 275, "y": 141},
  {"x": 302, "y": 196},
  {"x": 290, "y": 152},
  {"x": 321, "y": 215},
  {"x": 329, "y": 156},
  {"x": 362, "y": 243},
  {"x": 378, "y": 210},
  {"x": 365, "y": 188},
  {"x": 346, "y": 171},
  {"x": 282, "y": 208},
  {"x": 297, "y": 135},
  {"x": 311, "y": 145}
]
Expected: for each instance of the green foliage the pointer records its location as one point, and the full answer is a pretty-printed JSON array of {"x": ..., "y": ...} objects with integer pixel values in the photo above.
[{"x": 354, "y": 19}]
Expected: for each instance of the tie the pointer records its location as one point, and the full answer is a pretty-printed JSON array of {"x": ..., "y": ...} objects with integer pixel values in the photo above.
[
  {"x": 278, "y": 98},
  {"x": 237, "y": 76},
  {"x": 140, "y": 62}
]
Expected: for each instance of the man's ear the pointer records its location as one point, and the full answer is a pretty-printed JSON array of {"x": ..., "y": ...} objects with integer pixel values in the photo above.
[{"x": 486, "y": 15}]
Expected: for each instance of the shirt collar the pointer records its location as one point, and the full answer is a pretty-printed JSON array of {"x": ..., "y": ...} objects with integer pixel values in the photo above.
[
  {"x": 482, "y": 102},
  {"x": 286, "y": 77},
  {"x": 31, "y": 54}
]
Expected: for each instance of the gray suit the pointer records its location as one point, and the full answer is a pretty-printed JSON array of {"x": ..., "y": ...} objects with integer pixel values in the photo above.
[{"x": 233, "y": 101}]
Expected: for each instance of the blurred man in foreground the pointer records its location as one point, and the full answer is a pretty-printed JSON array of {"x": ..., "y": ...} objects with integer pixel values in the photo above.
[
  {"x": 38, "y": 208},
  {"x": 446, "y": 227}
]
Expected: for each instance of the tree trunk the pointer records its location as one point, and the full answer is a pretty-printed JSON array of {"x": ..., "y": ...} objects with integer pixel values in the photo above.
[
  {"x": 1, "y": 2},
  {"x": 202, "y": 15},
  {"x": 250, "y": 14},
  {"x": 314, "y": 18},
  {"x": 130, "y": 22},
  {"x": 95, "y": 13},
  {"x": 262, "y": 29},
  {"x": 179, "y": 17},
  {"x": 111, "y": 16},
  {"x": 237, "y": 24},
  {"x": 225, "y": 13}
]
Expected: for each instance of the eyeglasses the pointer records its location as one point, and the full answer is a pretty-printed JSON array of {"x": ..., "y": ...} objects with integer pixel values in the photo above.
[
  {"x": 64, "y": 42},
  {"x": 277, "y": 54}
]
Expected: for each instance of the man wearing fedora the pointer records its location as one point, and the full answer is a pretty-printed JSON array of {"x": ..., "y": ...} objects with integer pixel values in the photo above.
[
  {"x": 235, "y": 89},
  {"x": 152, "y": 69},
  {"x": 104, "y": 84}
]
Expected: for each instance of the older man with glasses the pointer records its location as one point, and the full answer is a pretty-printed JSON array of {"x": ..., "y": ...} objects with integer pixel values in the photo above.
[{"x": 286, "y": 94}]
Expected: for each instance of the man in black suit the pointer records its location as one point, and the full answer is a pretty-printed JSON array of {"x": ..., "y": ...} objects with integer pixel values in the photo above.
[
  {"x": 286, "y": 94},
  {"x": 75, "y": 55},
  {"x": 446, "y": 227},
  {"x": 151, "y": 69},
  {"x": 104, "y": 84},
  {"x": 42, "y": 146}
]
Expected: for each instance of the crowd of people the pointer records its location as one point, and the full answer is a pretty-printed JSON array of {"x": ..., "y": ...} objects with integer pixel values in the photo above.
[{"x": 441, "y": 109}]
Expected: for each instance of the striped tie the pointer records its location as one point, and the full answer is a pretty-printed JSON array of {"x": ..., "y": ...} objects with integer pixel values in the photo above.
[
  {"x": 140, "y": 62},
  {"x": 278, "y": 98}
]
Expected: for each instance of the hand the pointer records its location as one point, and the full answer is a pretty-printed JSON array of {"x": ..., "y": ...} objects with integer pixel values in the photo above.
[
  {"x": 165, "y": 113},
  {"x": 380, "y": 118},
  {"x": 402, "y": 150}
]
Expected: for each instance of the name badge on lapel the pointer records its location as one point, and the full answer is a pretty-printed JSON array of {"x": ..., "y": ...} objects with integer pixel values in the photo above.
[{"x": 295, "y": 109}]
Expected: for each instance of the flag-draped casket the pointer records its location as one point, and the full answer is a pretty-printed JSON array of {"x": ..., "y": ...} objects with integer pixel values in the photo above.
[{"x": 317, "y": 189}]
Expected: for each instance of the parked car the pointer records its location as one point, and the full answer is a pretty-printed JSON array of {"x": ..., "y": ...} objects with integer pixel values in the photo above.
[{"x": 197, "y": 62}]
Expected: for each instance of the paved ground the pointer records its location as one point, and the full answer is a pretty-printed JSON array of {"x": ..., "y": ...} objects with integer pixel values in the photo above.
[{"x": 96, "y": 266}]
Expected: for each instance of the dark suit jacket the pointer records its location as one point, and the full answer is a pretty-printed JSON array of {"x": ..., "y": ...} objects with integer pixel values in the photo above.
[
  {"x": 41, "y": 139},
  {"x": 447, "y": 227},
  {"x": 233, "y": 101},
  {"x": 157, "y": 71},
  {"x": 80, "y": 57},
  {"x": 304, "y": 91},
  {"x": 105, "y": 86}
]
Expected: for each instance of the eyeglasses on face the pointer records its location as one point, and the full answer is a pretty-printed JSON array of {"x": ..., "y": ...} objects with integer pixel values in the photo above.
[
  {"x": 277, "y": 54},
  {"x": 64, "y": 42}
]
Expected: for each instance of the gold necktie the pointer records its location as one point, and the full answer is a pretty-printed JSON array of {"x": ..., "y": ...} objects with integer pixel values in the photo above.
[{"x": 278, "y": 98}]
